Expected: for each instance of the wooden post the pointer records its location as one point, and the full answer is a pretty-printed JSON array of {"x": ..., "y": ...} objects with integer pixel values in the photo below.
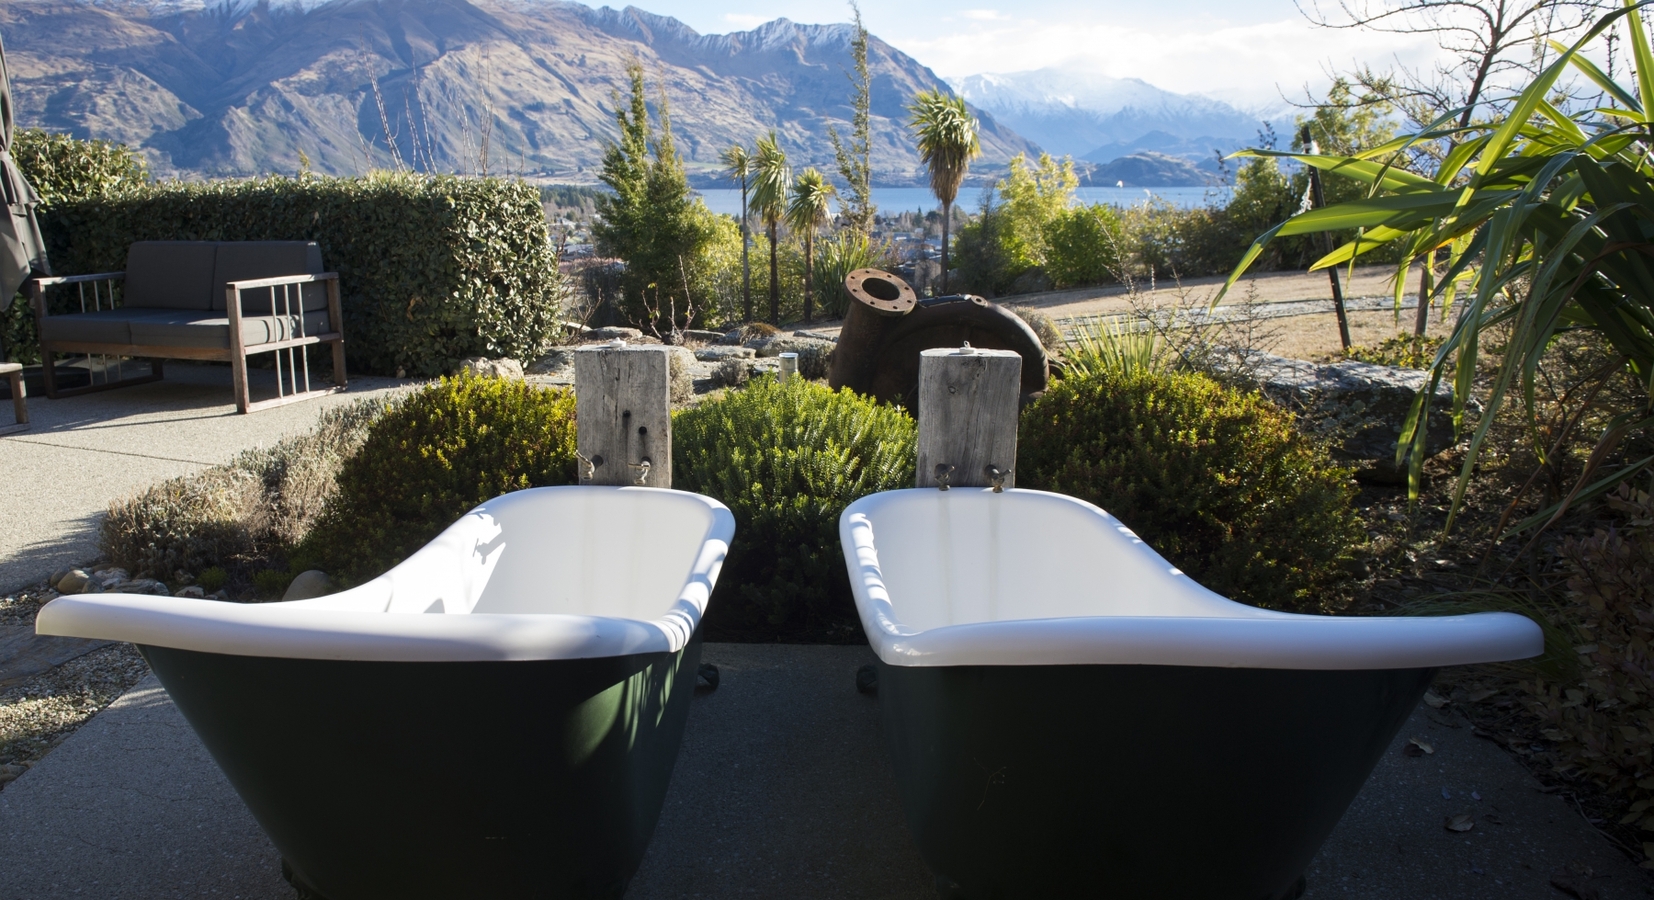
[
  {"x": 968, "y": 417},
  {"x": 623, "y": 415}
]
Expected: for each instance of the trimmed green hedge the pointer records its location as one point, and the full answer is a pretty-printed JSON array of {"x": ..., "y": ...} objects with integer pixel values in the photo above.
[
  {"x": 787, "y": 458},
  {"x": 432, "y": 269}
]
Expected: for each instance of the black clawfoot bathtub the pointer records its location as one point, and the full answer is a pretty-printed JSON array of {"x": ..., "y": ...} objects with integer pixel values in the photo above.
[
  {"x": 498, "y": 716},
  {"x": 1070, "y": 716}
]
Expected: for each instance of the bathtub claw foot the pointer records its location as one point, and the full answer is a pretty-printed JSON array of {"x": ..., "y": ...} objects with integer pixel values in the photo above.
[
  {"x": 945, "y": 888},
  {"x": 303, "y": 891},
  {"x": 708, "y": 674},
  {"x": 867, "y": 679}
]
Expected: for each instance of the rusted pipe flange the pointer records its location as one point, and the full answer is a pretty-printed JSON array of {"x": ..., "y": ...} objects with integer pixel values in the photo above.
[{"x": 880, "y": 291}]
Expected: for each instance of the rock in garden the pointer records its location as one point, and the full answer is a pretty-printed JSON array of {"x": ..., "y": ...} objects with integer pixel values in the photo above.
[
  {"x": 193, "y": 591},
  {"x": 108, "y": 576},
  {"x": 1359, "y": 406},
  {"x": 681, "y": 377},
  {"x": 720, "y": 353},
  {"x": 787, "y": 343},
  {"x": 705, "y": 337},
  {"x": 142, "y": 586},
  {"x": 553, "y": 362},
  {"x": 313, "y": 583},
  {"x": 492, "y": 368},
  {"x": 73, "y": 582},
  {"x": 612, "y": 332}
]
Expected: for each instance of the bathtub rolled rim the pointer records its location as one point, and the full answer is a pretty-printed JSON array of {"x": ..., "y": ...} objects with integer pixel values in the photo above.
[
  {"x": 1240, "y": 637},
  {"x": 320, "y": 629}
]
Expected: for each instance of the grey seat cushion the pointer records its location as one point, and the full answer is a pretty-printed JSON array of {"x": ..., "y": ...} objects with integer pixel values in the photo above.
[
  {"x": 212, "y": 331},
  {"x": 247, "y": 260},
  {"x": 106, "y": 326},
  {"x": 169, "y": 274}
]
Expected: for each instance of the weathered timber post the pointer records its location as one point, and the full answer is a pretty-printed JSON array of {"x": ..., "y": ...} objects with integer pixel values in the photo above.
[
  {"x": 968, "y": 417},
  {"x": 623, "y": 415}
]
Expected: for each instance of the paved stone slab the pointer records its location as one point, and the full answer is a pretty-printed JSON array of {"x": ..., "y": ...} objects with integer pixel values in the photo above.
[
  {"x": 783, "y": 789},
  {"x": 24, "y": 654}
]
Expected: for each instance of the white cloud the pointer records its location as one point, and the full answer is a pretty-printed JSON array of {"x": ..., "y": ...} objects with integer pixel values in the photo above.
[
  {"x": 983, "y": 15},
  {"x": 1250, "y": 64}
]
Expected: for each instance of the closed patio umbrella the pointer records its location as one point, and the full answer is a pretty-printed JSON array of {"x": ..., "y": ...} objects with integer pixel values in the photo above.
[{"x": 22, "y": 247}]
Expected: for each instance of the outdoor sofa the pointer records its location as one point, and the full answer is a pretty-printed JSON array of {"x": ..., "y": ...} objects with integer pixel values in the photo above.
[{"x": 209, "y": 300}]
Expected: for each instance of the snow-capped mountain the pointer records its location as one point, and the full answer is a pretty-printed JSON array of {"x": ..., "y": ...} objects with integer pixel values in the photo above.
[
  {"x": 242, "y": 87},
  {"x": 1100, "y": 118}
]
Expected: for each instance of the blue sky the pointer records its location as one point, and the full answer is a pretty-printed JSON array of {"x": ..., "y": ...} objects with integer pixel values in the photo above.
[{"x": 1243, "y": 51}]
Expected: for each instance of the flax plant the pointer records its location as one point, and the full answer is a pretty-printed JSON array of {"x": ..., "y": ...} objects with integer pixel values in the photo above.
[{"x": 1546, "y": 217}]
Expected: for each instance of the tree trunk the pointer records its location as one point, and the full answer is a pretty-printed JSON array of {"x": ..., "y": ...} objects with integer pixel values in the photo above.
[
  {"x": 947, "y": 213},
  {"x": 809, "y": 273},
  {"x": 775, "y": 282},
  {"x": 1422, "y": 317},
  {"x": 746, "y": 265}
]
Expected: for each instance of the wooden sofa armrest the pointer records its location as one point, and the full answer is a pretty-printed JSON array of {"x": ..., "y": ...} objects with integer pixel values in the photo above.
[
  {"x": 37, "y": 288},
  {"x": 280, "y": 280},
  {"x": 49, "y": 280}
]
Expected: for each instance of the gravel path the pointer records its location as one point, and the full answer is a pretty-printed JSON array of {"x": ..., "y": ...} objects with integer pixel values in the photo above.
[{"x": 40, "y": 712}]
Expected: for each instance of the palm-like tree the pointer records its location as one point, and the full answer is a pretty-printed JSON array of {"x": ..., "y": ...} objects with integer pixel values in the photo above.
[
  {"x": 738, "y": 165},
  {"x": 946, "y": 133},
  {"x": 807, "y": 211},
  {"x": 769, "y": 198}
]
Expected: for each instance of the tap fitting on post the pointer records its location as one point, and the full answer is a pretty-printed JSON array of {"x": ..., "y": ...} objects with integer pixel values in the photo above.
[
  {"x": 642, "y": 472},
  {"x": 588, "y": 467},
  {"x": 943, "y": 470},
  {"x": 996, "y": 477}
]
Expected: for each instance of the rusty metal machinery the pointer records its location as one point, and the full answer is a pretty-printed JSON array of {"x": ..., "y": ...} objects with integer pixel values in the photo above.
[{"x": 887, "y": 327}]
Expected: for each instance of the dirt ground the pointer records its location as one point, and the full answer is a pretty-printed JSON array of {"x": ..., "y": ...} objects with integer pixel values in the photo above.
[{"x": 1270, "y": 287}]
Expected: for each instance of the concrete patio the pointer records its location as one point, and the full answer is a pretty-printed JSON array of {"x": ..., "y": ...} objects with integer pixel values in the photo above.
[
  {"x": 783, "y": 788},
  {"x": 57, "y": 478}
]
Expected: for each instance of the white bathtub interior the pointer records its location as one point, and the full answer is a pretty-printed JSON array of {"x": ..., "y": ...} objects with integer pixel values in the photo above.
[
  {"x": 969, "y": 576},
  {"x": 536, "y": 574}
]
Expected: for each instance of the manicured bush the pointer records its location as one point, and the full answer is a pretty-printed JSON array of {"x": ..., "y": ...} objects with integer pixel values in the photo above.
[
  {"x": 185, "y": 523},
  {"x": 432, "y": 269},
  {"x": 62, "y": 168},
  {"x": 787, "y": 459},
  {"x": 1083, "y": 246},
  {"x": 435, "y": 455},
  {"x": 241, "y": 515},
  {"x": 1213, "y": 478}
]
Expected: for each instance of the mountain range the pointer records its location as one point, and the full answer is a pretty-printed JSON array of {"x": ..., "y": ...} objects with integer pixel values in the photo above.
[
  {"x": 1101, "y": 119},
  {"x": 520, "y": 86}
]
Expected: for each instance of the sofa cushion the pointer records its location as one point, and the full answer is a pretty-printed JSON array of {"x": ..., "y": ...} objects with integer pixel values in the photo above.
[
  {"x": 169, "y": 274},
  {"x": 106, "y": 326},
  {"x": 247, "y": 260},
  {"x": 209, "y": 330}
]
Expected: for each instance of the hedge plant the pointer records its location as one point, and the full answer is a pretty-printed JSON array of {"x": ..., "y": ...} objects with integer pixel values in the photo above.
[
  {"x": 787, "y": 458},
  {"x": 432, "y": 268},
  {"x": 1212, "y": 477},
  {"x": 428, "y": 460}
]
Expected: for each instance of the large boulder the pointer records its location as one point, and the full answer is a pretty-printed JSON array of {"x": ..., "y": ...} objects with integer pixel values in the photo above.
[{"x": 1359, "y": 407}]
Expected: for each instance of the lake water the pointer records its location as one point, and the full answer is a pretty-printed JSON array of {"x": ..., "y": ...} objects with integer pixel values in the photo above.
[{"x": 897, "y": 200}]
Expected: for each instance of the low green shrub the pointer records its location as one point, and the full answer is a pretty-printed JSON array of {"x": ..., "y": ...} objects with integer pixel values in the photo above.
[
  {"x": 1083, "y": 246},
  {"x": 432, "y": 268},
  {"x": 1404, "y": 350},
  {"x": 787, "y": 458},
  {"x": 212, "y": 579},
  {"x": 1213, "y": 478},
  {"x": 435, "y": 455},
  {"x": 185, "y": 523},
  {"x": 240, "y": 515}
]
